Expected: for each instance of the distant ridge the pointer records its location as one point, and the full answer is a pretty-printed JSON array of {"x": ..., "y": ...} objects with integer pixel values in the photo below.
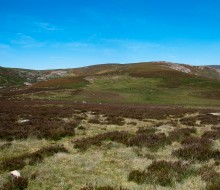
[
  {"x": 214, "y": 66},
  {"x": 15, "y": 76}
]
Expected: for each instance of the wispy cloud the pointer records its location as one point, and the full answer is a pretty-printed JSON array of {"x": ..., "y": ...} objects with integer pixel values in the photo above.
[
  {"x": 44, "y": 26},
  {"x": 73, "y": 45},
  {"x": 26, "y": 41},
  {"x": 131, "y": 44}
]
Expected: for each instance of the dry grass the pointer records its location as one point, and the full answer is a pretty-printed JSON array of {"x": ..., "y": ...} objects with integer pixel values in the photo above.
[{"x": 119, "y": 153}]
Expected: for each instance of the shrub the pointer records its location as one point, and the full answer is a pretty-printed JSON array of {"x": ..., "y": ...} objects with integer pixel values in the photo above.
[
  {"x": 137, "y": 176},
  {"x": 179, "y": 134},
  {"x": 41, "y": 127},
  {"x": 215, "y": 135},
  {"x": 209, "y": 119},
  {"x": 116, "y": 136},
  {"x": 132, "y": 123},
  {"x": 95, "y": 120},
  {"x": 165, "y": 173},
  {"x": 81, "y": 127},
  {"x": 190, "y": 121},
  {"x": 97, "y": 188},
  {"x": 211, "y": 177},
  {"x": 91, "y": 187},
  {"x": 146, "y": 130},
  {"x": 30, "y": 158},
  {"x": 204, "y": 119},
  {"x": 20, "y": 183},
  {"x": 112, "y": 120},
  {"x": 152, "y": 141},
  {"x": 196, "y": 141},
  {"x": 162, "y": 172},
  {"x": 197, "y": 151}
]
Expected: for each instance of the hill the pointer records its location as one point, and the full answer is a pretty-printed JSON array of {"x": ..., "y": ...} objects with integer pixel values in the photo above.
[
  {"x": 111, "y": 127},
  {"x": 147, "y": 82},
  {"x": 13, "y": 77}
]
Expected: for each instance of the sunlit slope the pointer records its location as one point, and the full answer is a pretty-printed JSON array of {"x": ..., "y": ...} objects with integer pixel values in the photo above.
[{"x": 155, "y": 82}]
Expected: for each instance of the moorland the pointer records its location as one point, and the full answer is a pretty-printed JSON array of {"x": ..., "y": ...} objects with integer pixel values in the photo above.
[{"x": 132, "y": 126}]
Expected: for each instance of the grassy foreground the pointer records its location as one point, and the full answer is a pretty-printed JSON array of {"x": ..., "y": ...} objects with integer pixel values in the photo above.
[{"x": 65, "y": 145}]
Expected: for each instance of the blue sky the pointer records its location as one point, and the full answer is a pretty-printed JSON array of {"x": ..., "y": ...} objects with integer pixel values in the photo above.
[{"x": 43, "y": 34}]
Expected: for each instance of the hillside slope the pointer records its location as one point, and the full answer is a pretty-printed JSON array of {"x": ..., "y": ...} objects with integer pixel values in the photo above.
[{"x": 151, "y": 83}]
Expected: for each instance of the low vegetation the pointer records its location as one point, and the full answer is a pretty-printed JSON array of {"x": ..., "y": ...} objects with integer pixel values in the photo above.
[
  {"x": 21, "y": 161},
  {"x": 180, "y": 134},
  {"x": 91, "y": 187},
  {"x": 162, "y": 172},
  {"x": 20, "y": 183},
  {"x": 152, "y": 141},
  {"x": 197, "y": 149},
  {"x": 92, "y": 146},
  {"x": 211, "y": 177},
  {"x": 116, "y": 136}
]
